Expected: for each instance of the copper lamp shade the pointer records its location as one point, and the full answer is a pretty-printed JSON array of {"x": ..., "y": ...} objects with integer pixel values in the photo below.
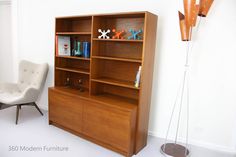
[
  {"x": 191, "y": 11},
  {"x": 187, "y": 21},
  {"x": 184, "y": 29},
  {"x": 194, "y": 14},
  {"x": 204, "y": 7}
]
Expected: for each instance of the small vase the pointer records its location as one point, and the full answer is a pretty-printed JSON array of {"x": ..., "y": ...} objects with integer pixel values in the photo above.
[
  {"x": 78, "y": 52},
  {"x": 74, "y": 48},
  {"x": 86, "y": 49}
]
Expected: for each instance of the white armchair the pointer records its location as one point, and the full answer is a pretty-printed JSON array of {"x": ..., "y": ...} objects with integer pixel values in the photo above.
[{"x": 26, "y": 91}]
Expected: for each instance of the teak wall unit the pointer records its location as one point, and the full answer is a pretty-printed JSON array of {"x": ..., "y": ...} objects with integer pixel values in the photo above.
[{"x": 110, "y": 111}]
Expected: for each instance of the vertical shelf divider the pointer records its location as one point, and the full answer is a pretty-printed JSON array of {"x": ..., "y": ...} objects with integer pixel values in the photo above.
[{"x": 91, "y": 53}]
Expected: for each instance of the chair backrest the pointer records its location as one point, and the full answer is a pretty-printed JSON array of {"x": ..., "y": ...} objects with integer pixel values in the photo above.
[{"x": 32, "y": 75}]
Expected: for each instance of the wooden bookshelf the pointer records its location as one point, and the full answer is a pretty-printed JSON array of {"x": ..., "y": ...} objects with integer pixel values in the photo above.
[{"x": 96, "y": 98}]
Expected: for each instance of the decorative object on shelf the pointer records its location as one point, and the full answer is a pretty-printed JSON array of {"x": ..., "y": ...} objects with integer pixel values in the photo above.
[
  {"x": 104, "y": 34},
  {"x": 117, "y": 34},
  {"x": 138, "y": 76},
  {"x": 78, "y": 51},
  {"x": 86, "y": 49},
  {"x": 79, "y": 84},
  {"x": 67, "y": 83},
  {"x": 187, "y": 23},
  {"x": 135, "y": 34},
  {"x": 74, "y": 47},
  {"x": 63, "y": 45}
]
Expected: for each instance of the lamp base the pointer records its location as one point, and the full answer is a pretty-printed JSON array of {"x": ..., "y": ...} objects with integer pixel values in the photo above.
[{"x": 174, "y": 150}]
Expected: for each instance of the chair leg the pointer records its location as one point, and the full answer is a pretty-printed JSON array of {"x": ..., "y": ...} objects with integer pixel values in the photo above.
[
  {"x": 17, "y": 113},
  {"x": 38, "y": 108}
]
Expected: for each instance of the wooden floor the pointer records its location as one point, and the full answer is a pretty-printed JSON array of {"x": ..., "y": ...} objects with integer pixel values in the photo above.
[{"x": 34, "y": 137}]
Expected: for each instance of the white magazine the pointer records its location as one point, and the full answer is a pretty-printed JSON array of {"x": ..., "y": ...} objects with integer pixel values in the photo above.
[{"x": 64, "y": 46}]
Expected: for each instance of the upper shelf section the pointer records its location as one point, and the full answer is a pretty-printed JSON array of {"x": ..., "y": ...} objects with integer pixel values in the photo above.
[
  {"x": 73, "y": 25},
  {"x": 119, "y": 22},
  {"x": 83, "y": 25}
]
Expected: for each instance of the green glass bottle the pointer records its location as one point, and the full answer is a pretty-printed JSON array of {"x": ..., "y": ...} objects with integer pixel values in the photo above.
[{"x": 78, "y": 52}]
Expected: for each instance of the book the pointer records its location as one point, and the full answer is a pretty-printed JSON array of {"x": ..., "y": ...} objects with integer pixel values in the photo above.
[
  {"x": 56, "y": 47},
  {"x": 63, "y": 46},
  {"x": 138, "y": 75}
]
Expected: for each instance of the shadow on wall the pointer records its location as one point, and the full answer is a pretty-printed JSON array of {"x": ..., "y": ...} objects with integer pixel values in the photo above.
[
  {"x": 42, "y": 102},
  {"x": 157, "y": 63}
]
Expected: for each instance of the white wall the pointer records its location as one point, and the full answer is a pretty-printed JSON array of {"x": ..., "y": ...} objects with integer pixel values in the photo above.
[
  {"x": 213, "y": 74},
  {"x": 6, "y": 62}
]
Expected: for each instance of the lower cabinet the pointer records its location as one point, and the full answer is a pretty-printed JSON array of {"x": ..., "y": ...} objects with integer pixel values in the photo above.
[
  {"x": 102, "y": 123},
  {"x": 65, "y": 111},
  {"x": 109, "y": 125}
]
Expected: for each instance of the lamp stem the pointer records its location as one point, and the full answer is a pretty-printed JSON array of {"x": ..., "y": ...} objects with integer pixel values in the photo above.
[
  {"x": 172, "y": 114},
  {"x": 183, "y": 85},
  {"x": 181, "y": 104},
  {"x": 173, "y": 149},
  {"x": 187, "y": 129}
]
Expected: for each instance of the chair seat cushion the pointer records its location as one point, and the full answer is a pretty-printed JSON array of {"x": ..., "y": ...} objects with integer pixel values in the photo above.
[
  {"x": 10, "y": 93},
  {"x": 10, "y": 98}
]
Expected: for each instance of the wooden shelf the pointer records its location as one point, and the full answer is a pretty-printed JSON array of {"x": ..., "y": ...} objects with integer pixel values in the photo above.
[
  {"x": 71, "y": 91},
  {"x": 73, "y": 33},
  {"x": 116, "y": 82},
  {"x": 118, "y": 59},
  {"x": 119, "y": 101},
  {"x": 118, "y": 40},
  {"x": 115, "y": 100},
  {"x": 73, "y": 57},
  {"x": 74, "y": 70}
]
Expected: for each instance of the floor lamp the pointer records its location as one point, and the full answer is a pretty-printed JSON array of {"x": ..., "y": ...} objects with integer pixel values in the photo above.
[{"x": 187, "y": 22}]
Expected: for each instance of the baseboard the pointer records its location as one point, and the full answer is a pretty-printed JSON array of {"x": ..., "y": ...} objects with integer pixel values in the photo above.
[{"x": 201, "y": 144}]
